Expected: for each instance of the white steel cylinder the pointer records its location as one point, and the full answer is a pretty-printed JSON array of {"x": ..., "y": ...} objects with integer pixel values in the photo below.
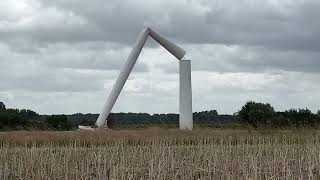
[
  {"x": 175, "y": 50},
  {"x": 185, "y": 78},
  {"x": 122, "y": 78},
  {"x": 185, "y": 95}
]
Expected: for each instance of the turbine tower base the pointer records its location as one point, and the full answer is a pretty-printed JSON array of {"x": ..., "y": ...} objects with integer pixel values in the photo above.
[{"x": 185, "y": 97}]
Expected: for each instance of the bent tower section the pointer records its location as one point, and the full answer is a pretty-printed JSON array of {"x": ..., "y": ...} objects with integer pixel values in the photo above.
[
  {"x": 185, "y": 109},
  {"x": 122, "y": 78}
]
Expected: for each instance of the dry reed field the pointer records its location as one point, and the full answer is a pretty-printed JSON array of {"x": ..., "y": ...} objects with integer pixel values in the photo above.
[{"x": 161, "y": 154}]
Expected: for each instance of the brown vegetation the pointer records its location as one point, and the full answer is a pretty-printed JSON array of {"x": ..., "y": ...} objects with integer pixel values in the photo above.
[{"x": 161, "y": 154}]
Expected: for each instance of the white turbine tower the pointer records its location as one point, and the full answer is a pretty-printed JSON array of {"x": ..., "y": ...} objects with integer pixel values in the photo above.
[{"x": 185, "y": 97}]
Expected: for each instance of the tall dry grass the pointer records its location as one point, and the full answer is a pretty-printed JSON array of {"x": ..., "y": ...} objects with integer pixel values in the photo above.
[{"x": 160, "y": 154}]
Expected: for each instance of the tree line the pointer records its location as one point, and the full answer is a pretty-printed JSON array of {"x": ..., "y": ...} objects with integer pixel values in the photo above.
[
  {"x": 259, "y": 114},
  {"x": 203, "y": 118},
  {"x": 23, "y": 119},
  {"x": 253, "y": 114}
]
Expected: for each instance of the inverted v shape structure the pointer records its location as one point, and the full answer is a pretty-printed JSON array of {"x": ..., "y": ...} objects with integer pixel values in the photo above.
[{"x": 128, "y": 66}]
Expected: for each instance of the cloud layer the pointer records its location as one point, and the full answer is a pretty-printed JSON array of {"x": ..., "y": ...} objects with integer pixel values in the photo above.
[{"x": 64, "y": 56}]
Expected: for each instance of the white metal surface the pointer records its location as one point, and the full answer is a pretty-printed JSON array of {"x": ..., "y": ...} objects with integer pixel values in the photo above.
[
  {"x": 122, "y": 78},
  {"x": 185, "y": 95},
  {"x": 127, "y": 68},
  {"x": 175, "y": 50},
  {"x": 86, "y": 128}
]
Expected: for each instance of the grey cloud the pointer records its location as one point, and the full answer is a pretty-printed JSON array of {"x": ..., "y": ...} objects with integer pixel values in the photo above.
[
  {"x": 223, "y": 58},
  {"x": 228, "y": 92},
  {"x": 50, "y": 80},
  {"x": 31, "y": 72},
  {"x": 71, "y": 51},
  {"x": 285, "y": 25},
  {"x": 88, "y": 56},
  {"x": 253, "y": 23}
]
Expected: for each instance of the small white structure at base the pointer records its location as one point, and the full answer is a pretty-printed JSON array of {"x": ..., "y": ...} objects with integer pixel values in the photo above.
[
  {"x": 186, "y": 121},
  {"x": 185, "y": 95},
  {"x": 86, "y": 128}
]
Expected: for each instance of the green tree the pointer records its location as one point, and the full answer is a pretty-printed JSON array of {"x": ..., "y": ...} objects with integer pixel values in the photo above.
[
  {"x": 2, "y": 106},
  {"x": 58, "y": 122},
  {"x": 302, "y": 117},
  {"x": 110, "y": 120},
  {"x": 11, "y": 119},
  {"x": 86, "y": 122},
  {"x": 257, "y": 113}
]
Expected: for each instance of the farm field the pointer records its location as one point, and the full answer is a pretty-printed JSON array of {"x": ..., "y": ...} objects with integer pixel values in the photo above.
[{"x": 157, "y": 153}]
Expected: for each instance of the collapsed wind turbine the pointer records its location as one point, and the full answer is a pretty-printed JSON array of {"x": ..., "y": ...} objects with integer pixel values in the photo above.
[{"x": 185, "y": 94}]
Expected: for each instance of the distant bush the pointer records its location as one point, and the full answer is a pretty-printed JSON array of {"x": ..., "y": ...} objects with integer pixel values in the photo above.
[
  {"x": 301, "y": 117},
  {"x": 260, "y": 114},
  {"x": 15, "y": 118},
  {"x": 58, "y": 122},
  {"x": 256, "y": 113}
]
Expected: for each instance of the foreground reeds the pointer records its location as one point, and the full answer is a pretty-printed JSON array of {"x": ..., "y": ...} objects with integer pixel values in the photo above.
[{"x": 160, "y": 154}]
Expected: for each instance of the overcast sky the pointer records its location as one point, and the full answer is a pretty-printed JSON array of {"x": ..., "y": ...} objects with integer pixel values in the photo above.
[{"x": 63, "y": 56}]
